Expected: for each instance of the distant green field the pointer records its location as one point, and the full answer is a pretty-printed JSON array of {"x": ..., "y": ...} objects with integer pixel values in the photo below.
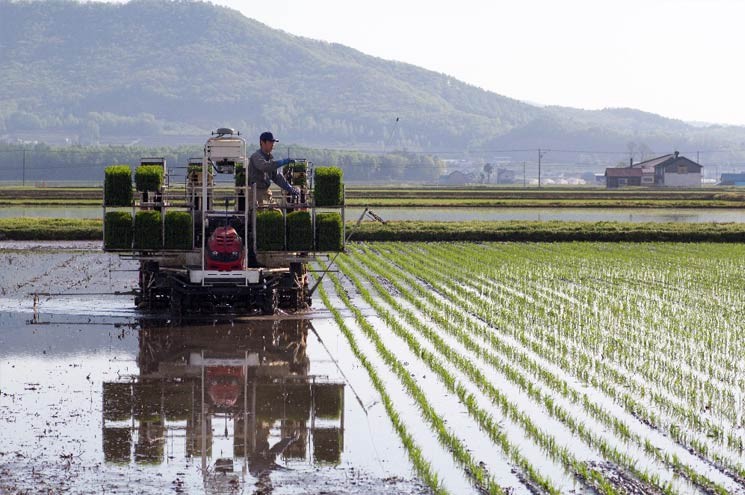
[{"x": 29, "y": 228}]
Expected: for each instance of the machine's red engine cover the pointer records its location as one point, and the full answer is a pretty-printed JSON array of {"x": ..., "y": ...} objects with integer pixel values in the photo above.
[{"x": 225, "y": 250}]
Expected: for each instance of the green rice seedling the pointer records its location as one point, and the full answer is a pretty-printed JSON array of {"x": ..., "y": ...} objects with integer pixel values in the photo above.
[
  {"x": 299, "y": 231},
  {"x": 415, "y": 454},
  {"x": 270, "y": 230},
  {"x": 328, "y": 189},
  {"x": 118, "y": 185},
  {"x": 117, "y": 230},
  {"x": 460, "y": 452},
  {"x": 149, "y": 178},
  {"x": 148, "y": 230},
  {"x": 617, "y": 427},
  {"x": 178, "y": 230},
  {"x": 595, "y": 477},
  {"x": 329, "y": 232}
]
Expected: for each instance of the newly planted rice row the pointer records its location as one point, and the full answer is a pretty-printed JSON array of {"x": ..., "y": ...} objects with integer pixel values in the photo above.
[
  {"x": 620, "y": 428},
  {"x": 575, "y": 357},
  {"x": 654, "y": 375},
  {"x": 552, "y": 405},
  {"x": 560, "y": 324}
]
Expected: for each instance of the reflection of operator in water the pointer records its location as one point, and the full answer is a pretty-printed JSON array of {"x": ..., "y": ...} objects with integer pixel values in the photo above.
[
  {"x": 264, "y": 459},
  {"x": 262, "y": 170}
]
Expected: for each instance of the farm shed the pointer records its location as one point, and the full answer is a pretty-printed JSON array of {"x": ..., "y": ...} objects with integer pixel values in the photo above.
[
  {"x": 622, "y": 177},
  {"x": 732, "y": 179},
  {"x": 457, "y": 178}
]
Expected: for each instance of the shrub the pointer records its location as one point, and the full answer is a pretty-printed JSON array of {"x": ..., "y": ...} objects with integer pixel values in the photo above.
[
  {"x": 329, "y": 232},
  {"x": 327, "y": 186},
  {"x": 148, "y": 234},
  {"x": 149, "y": 177},
  {"x": 270, "y": 231},
  {"x": 178, "y": 230},
  {"x": 299, "y": 231},
  {"x": 117, "y": 230},
  {"x": 118, "y": 185}
]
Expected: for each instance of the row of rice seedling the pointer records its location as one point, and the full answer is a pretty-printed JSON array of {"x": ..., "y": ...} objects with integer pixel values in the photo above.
[
  {"x": 507, "y": 407},
  {"x": 437, "y": 423},
  {"x": 441, "y": 267},
  {"x": 485, "y": 420},
  {"x": 617, "y": 425},
  {"x": 558, "y": 385},
  {"x": 415, "y": 454},
  {"x": 634, "y": 405},
  {"x": 578, "y": 330},
  {"x": 689, "y": 414}
]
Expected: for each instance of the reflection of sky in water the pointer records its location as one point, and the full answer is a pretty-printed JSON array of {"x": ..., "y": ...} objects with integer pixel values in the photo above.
[
  {"x": 459, "y": 214},
  {"x": 53, "y": 378}
]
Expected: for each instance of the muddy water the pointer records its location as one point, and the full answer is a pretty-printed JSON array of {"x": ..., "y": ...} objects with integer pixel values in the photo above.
[{"x": 94, "y": 398}]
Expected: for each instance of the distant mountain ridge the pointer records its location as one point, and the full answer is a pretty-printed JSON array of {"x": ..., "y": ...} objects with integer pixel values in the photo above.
[{"x": 157, "y": 69}]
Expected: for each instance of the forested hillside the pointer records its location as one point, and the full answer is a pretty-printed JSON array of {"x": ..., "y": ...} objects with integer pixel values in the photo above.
[{"x": 161, "y": 72}]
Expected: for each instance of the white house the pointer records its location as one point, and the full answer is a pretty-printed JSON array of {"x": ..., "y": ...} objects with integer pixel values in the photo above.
[{"x": 670, "y": 170}]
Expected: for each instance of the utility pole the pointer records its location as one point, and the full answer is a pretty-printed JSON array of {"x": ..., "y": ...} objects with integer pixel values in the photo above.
[
  {"x": 525, "y": 183},
  {"x": 540, "y": 156},
  {"x": 24, "y": 167}
]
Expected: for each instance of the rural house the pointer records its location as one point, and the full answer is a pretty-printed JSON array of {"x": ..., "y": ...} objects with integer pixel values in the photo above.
[{"x": 670, "y": 170}]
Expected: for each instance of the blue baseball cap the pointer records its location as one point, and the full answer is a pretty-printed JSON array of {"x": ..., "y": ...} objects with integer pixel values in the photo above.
[{"x": 268, "y": 136}]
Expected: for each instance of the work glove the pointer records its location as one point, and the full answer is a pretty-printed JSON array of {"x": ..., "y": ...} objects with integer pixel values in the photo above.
[{"x": 295, "y": 191}]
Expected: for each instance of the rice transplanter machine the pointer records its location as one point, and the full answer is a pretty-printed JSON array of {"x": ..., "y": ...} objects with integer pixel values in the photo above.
[{"x": 206, "y": 245}]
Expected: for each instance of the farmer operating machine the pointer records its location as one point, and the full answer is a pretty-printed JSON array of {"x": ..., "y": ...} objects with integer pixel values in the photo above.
[{"x": 206, "y": 245}]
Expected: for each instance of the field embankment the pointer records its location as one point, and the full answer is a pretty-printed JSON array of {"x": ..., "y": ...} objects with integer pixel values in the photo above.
[{"x": 30, "y": 228}]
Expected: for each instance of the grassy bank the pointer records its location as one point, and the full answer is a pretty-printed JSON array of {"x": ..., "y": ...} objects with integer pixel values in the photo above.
[
  {"x": 554, "y": 231},
  {"x": 50, "y": 229},
  {"x": 90, "y": 229}
]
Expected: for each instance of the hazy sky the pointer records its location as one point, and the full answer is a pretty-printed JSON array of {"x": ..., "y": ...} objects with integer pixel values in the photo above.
[
  {"x": 679, "y": 58},
  {"x": 683, "y": 59}
]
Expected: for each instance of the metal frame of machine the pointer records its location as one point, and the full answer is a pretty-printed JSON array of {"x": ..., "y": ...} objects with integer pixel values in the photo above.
[{"x": 180, "y": 279}]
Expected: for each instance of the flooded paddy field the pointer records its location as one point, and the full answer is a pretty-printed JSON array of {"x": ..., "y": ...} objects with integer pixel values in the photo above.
[
  {"x": 96, "y": 398},
  {"x": 423, "y": 368}
]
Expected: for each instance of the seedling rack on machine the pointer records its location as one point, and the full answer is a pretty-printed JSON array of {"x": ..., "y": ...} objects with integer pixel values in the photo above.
[{"x": 209, "y": 246}]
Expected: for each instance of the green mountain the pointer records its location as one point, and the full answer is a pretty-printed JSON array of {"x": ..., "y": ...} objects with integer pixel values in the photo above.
[{"x": 157, "y": 71}]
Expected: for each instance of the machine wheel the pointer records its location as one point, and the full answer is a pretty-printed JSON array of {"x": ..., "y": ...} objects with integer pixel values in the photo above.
[{"x": 269, "y": 306}]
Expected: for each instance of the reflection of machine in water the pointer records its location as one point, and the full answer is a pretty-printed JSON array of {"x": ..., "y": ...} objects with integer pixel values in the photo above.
[{"x": 233, "y": 395}]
